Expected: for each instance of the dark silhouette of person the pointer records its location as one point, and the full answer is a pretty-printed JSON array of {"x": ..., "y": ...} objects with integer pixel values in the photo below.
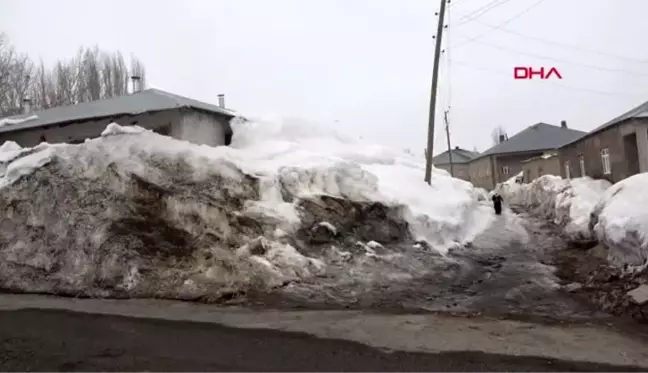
[{"x": 497, "y": 204}]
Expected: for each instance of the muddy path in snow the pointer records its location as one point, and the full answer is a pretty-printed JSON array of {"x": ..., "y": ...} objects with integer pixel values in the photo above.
[{"x": 506, "y": 271}]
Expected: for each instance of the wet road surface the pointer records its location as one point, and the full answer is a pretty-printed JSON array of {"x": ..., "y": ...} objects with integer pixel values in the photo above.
[
  {"x": 505, "y": 271},
  {"x": 40, "y": 340}
]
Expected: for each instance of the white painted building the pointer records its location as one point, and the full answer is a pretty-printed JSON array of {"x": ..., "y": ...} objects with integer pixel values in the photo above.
[{"x": 166, "y": 113}]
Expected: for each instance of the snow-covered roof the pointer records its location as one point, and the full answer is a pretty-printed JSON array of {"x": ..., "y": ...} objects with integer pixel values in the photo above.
[
  {"x": 146, "y": 101},
  {"x": 543, "y": 156}
]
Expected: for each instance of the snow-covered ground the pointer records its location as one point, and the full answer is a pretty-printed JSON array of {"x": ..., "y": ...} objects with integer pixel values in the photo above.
[
  {"x": 620, "y": 220},
  {"x": 567, "y": 203},
  {"x": 139, "y": 214},
  {"x": 588, "y": 209}
]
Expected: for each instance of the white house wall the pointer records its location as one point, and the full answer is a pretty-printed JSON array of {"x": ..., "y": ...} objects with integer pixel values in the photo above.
[
  {"x": 78, "y": 132},
  {"x": 187, "y": 125},
  {"x": 199, "y": 128}
]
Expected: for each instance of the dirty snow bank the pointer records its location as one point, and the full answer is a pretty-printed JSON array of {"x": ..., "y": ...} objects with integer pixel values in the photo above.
[
  {"x": 134, "y": 213},
  {"x": 567, "y": 203},
  {"x": 620, "y": 221}
]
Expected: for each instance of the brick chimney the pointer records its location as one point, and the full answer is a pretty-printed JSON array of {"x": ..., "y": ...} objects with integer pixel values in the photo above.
[
  {"x": 221, "y": 101},
  {"x": 563, "y": 123},
  {"x": 137, "y": 83},
  {"x": 502, "y": 138}
]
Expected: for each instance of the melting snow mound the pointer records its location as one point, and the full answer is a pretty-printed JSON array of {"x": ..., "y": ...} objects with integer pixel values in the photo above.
[
  {"x": 134, "y": 213},
  {"x": 568, "y": 203},
  {"x": 620, "y": 221}
]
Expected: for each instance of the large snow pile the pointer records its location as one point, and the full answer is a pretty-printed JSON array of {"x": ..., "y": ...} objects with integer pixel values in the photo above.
[
  {"x": 568, "y": 203},
  {"x": 620, "y": 221},
  {"x": 134, "y": 213}
]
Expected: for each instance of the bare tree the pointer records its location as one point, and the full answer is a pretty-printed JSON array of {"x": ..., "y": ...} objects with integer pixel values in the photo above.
[
  {"x": 15, "y": 78},
  {"x": 120, "y": 75},
  {"x": 91, "y": 75},
  {"x": 498, "y": 135}
]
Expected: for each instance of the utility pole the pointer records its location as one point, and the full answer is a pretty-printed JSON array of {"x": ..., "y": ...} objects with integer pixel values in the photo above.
[
  {"x": 445, "y": 118},
  {"x": 433, "y": 95}
]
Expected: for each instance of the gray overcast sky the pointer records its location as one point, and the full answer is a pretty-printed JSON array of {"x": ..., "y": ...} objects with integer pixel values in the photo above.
[{"x": 364, "y": 63}]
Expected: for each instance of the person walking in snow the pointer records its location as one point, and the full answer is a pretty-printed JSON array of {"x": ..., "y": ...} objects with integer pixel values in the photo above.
[{"x": 497, "y": 204}]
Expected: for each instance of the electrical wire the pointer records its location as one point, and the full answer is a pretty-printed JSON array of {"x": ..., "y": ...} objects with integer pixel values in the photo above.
[
  {"x": 500, "y": 72},
  {"x": 564, "y": 45},
  {"x": 556, "y": 59},
  {"x": 506, "y": 22},
  {"x": 482, "y": 10}
]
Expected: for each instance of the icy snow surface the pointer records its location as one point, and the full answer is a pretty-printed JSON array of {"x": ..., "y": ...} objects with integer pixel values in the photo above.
[
  {"x": 621, "y": 221},
  {"x": 567, "y": 203},
  {"x": 135, "y": 213},
  {"x": 10, "y": 121}
]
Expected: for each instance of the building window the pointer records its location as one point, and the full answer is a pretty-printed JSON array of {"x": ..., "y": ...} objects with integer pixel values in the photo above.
[
  {"x": 567, "y": 171},
  {"x": 605, "y": 161},
  {"x": 505, "y": 170},
  {"x": 540, "y": 171},
  {"x": 581, "y": 161}
]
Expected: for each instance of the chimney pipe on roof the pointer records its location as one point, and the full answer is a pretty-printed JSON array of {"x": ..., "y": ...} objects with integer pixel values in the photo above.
[
  {"x": 563, "y": 123},
  {"x": 221, "y": 101},
  {"x": 26, "y": 105},
  {"x": 137, "y": 83},
  {"x": 502, "y": 138}
]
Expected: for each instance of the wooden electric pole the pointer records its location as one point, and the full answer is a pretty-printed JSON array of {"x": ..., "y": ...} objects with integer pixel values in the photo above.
[
  {"x": 433, "y": 95},
  {"x": 445, "y": 118}
]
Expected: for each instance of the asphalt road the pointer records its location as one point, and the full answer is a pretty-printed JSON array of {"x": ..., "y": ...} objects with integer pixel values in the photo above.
[{"x": 51, "y": 340}]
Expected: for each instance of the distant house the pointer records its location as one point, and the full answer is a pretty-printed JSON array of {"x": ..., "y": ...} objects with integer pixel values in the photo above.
[
  {"x": 612, "y": 151},
  {"x": 460, "y": 160},
  {"x": 504, "y": 160},
  {"x": 545, "y": 164},
  {"x": 153, "y": 109}
]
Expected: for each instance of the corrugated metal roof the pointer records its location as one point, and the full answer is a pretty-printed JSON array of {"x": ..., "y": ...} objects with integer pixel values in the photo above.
[
  {"x": 540, "y": 136},
  {"x": 458, "y": 156},
  {"x": 137, "y": 103}
]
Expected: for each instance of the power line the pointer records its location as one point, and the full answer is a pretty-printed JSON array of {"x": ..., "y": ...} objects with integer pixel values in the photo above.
[
  {"x": 564, "y": 45},
  {"x": 516, "y": 16},
  {"x": 482, "y": 10},
  {"x": 594, "y": 67},
  {"x": 500, "y": 72}
]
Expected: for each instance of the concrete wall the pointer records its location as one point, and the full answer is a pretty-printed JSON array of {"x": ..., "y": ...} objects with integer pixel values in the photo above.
[
  {"x": 537, "y": 167},
  {"x": 200, "y": 128},
  {"x": 183, "y": 124},
  {"x": 481, "y": 173},
  {"x": 612, "y": 139},
  {"x": 514, "y": 164},
  {"x": 461, "y": 170}
]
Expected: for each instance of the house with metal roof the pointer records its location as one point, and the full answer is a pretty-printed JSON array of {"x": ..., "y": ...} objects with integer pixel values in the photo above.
[
  {"x": 458, "y": 165},
  {"x": 163, "y": 112},
  {"x": 614, "y": 150},
  {"x": 504, "y": 160}
]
